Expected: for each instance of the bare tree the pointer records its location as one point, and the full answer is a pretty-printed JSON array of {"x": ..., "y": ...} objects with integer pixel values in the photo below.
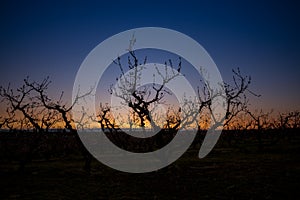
[
  {"x": 62, "y": 109},
  {"x": 141, "y": 98},
  {"x": 236, "y": 96},
  {"x": 20, "y": 102},
  {"x": 105, "y": 119},
  {"x": 287, "y": 123},
  {"x": 289, "y": 120},
  {"x": 260, "y": 123},
  {"x": 8, "y": 119},
  {"x": 39, "y": 112},
  {"x": 173, "y": 119}
]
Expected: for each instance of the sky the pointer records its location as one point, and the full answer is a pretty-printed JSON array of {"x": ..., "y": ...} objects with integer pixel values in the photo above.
[{"x": 40, "y": 39}]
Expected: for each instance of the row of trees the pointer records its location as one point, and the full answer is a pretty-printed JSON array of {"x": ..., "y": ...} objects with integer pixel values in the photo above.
[{"x": 30, "y": 108}]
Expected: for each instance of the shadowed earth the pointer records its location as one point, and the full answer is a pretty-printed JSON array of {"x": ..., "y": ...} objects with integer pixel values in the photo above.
[{"x": 235, "y": 171}]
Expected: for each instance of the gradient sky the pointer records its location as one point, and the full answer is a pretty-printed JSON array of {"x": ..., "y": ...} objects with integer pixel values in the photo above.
[{"x": 53, "y": 38}]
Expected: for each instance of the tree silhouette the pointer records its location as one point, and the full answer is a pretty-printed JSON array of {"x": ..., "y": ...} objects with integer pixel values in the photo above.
[
  {"x": 141, "y": 98},
  {"x": 39, "y": 112},
  {"x": 260, "y": 123},
  {"x": 237, "y": 99}
]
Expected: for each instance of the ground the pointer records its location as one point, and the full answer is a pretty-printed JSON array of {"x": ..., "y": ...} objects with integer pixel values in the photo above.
[{"x": 226, "y": 173}]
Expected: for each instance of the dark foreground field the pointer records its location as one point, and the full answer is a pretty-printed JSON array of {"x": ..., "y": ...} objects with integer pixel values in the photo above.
[{"x": 235, "y": 171}]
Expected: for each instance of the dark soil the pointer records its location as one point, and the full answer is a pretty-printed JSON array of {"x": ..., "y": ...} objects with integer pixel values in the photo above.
[{"x": 237, "y": 171}]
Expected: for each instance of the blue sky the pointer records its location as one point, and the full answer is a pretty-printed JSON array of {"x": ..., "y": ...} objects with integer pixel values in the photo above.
[{"x": 53, "y": 38}]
